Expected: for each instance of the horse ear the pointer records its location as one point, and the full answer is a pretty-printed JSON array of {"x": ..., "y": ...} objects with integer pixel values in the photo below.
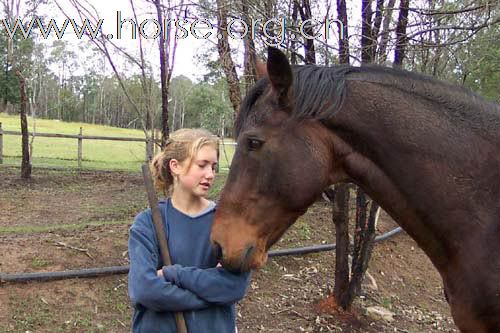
[
  {"x": 261, "y": 69},
  {"x": 279, "y": 71}
]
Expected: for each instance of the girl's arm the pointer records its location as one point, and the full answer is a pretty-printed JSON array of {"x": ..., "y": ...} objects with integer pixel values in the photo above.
[
  {"x": 145, "y": 287},
  {"x": 215, "y": 285}
]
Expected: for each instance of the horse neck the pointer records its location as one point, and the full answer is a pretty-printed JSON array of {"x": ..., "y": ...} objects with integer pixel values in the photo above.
[{"x": 418, "y": 166}]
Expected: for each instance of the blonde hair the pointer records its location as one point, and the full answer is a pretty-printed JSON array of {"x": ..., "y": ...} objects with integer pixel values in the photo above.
[{"x": 183, "y": 145}]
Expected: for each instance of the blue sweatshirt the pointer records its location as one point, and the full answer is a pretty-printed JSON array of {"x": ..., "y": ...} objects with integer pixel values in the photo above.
[{"x": 205, "y": 293}]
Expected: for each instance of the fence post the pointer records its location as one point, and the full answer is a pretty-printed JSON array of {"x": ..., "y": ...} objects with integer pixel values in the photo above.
[
  {"x": 1, "y": 144},
  {"x": 80, "y": 146}
]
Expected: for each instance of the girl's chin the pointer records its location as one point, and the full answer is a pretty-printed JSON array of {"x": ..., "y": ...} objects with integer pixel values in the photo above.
[{"x": 202, "y": 192}]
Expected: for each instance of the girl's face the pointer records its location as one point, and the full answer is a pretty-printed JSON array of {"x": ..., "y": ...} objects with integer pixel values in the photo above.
[{"x": 198, "y": 179}]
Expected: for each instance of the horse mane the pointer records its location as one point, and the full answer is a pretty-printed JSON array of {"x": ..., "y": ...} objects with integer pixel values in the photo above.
[{"x": 319, "y": 93}]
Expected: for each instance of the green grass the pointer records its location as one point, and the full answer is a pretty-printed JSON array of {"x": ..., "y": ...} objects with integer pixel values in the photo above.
[
  {"x": 97, "y": 154},
  {"x": 39, "y": 263},
  {"x": 30, "y": 313}
]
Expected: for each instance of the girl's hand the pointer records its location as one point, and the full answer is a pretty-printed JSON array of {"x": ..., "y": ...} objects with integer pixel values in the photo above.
[{"x": 159, "y": 273}]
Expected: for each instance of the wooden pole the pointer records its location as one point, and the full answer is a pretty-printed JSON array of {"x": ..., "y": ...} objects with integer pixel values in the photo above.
[
  {"x": 1, "y": 144},
  {"x": 161, "y": 234},
  {"x": 80, "y": 146}
]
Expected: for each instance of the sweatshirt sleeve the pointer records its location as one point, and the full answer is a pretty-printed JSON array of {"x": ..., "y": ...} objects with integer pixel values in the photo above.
[
  {"x": 145, "y": 287},
  {"x": 215, "y": 285}
]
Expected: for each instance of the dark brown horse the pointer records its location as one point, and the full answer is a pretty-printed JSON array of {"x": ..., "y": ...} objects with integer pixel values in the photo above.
[{"x": 426, "y": 151}]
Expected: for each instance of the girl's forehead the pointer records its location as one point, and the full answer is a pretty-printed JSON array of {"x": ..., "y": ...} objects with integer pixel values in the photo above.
[{"x": 207, "y": 152}]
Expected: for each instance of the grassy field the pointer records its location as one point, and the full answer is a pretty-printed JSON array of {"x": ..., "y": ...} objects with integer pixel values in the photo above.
[{"x": 97, "y": 154}]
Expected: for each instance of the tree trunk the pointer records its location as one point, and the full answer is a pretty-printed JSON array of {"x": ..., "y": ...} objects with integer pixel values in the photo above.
[
  {"x": 382, "y": 55},
  {"x": 25, "y": 162},
  {"x": 306, "y": 14},
  {"x": 3, "y": 101},
  {"x": 250, "y": 56},
  {"x": 363, "y": 244},
  {"x": 377, "y": 21},
  {"x": 340, "y": 201},
  {"x": 164, "y": 81},
  {"x": 401, "y": 37},
  {"x": 366, "y": 31},
  {"x": 293, "y": 41},
  {"x": 174, "y": 114},
  {"x": 326, "y": 50},
  {"x": 340, "y": 217},
  {"x": 343, "y": 33},
  {"x": 225, "y": 57}
]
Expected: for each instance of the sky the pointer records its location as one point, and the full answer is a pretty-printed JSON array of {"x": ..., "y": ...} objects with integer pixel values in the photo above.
[{"x": 109, "y": 11}]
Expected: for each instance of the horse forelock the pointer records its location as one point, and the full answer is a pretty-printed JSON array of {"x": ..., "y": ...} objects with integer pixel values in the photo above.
[
  {"x": 247, "y": 103},
  {"x": 318, "y": 92}
]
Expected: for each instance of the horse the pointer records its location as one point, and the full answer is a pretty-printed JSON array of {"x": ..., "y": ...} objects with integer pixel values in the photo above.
[{"x": 426, "y": 151}]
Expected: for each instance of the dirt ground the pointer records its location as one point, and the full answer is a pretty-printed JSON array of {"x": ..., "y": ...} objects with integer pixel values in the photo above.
[{"x": 64, "y": 220}]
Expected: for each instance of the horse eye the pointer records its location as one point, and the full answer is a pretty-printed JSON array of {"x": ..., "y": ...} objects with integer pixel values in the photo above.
[{"x": 254, "y": 144}]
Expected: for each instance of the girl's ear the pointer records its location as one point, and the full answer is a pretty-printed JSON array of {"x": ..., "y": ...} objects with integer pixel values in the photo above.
[{"x": 175, "y": 167}]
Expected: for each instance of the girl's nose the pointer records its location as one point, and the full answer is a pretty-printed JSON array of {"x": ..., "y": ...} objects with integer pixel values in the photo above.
[{"x": 210, "y": 173}]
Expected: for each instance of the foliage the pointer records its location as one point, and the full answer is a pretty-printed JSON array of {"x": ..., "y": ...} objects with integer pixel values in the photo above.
[
  {"x": 481, "y": 59},
  {"x": 75, "y": 85},
  {"x": 201, "y": 105},
  {"x": 9, "y": 83}
]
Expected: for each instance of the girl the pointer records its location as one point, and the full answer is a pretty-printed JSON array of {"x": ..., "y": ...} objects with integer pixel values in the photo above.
[{"x": 193, "y": 284}]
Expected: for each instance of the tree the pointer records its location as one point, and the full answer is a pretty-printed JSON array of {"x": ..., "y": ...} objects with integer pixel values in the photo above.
[
  {"x": 250, "y": 56},
  {"x": 19, "y": 51},
  {"x": 88, "y": 14},
  {"x": 343, "y": 33},
  {"x": 207, "y": 105},
  {"x": 224, "y": 50},
  {"x": 181, "y": 90},
  {"x": 9, "y": 84},
  {"x": 480, "y": 64},
  {"x": 401, "y": 37},
  {"x": 167, "y": 47},
  {"x": 65, "y": 60},
  {"x": 304, "y": 9}
]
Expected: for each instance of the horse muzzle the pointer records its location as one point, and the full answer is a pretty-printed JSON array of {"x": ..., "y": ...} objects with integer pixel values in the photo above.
[{"x": 238, "y": 253}]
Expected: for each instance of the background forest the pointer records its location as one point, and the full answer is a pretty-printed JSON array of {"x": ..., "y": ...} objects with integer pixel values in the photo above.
[{"x": 131, "y": 85}]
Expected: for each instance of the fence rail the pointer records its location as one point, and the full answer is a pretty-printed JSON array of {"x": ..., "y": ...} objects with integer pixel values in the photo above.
[
  {"x": 150, "y": 148},
  {"x": 83, "y": 137}
]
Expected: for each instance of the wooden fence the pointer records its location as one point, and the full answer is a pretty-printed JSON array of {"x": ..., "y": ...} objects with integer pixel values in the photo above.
[{"x": 150, "y": 148}]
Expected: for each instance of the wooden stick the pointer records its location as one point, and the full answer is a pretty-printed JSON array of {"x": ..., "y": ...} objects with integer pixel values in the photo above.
[{"x": 160, "y": 234}]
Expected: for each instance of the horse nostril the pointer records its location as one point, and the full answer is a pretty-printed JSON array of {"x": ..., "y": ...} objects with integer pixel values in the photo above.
[
  {"x": 249, "y": 252},
  {"x": 217, "y": 251}
]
